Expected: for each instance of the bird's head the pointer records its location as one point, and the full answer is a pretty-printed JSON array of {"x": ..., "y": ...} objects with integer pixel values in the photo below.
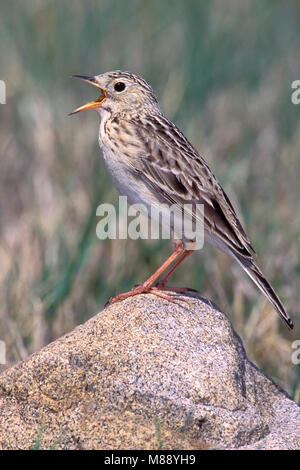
[{"x": 120, "y": 92}]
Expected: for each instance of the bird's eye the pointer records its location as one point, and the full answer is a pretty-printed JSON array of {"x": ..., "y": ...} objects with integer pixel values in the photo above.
[{"x": 119, "y": 86}]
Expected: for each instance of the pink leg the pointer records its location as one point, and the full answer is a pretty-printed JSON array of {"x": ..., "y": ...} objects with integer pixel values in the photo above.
[
  {"x": 164, "y": 280},
  {"x": 147, "y": 285}
]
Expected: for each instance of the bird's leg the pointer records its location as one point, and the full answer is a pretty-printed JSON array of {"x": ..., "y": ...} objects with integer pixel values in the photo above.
[
  {"x": 182, "y": 257},
  {"x": 161, "y": 285},
  {"x": 146, "y": 287},
  {"x": 179, "y": 249}
]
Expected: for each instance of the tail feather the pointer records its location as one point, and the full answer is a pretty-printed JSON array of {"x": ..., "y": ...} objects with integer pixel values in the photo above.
[{"x": 258, "y": 278}]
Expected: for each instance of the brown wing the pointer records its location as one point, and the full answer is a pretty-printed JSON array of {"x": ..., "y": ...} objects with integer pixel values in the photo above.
[{"x": 171, "y": 166}]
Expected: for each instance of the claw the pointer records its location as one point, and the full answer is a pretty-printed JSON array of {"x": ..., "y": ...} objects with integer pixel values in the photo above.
[
  {"x": 143, "y": 289},
  {"x": 156, "y": 290}
]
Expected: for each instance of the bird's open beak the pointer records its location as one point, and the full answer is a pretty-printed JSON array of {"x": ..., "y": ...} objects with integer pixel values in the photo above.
[{"x": 92, "y": 104}]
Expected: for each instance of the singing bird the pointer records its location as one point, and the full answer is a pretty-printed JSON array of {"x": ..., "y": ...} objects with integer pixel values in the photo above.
[{"x": 152, "y": 163}]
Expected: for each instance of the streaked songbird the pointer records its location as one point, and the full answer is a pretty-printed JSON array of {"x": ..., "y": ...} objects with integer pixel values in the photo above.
[{"x": 152, "y": 163}]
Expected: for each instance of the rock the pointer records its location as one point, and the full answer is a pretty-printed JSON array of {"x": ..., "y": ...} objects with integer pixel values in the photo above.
[{"x": 146, "y": 374}]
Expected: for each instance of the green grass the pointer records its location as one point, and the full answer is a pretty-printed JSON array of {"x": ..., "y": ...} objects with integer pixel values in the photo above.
[
  {"x": 37, "y": 445},
  {"x": 160, "y": 444},
  {"x": 38, "y": 440}
]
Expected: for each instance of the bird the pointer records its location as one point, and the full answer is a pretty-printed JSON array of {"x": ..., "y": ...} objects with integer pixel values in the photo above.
[{"x": 152, "y": 163}]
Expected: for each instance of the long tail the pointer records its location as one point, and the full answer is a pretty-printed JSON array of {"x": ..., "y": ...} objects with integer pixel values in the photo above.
[{"x": 258, "y": 278}]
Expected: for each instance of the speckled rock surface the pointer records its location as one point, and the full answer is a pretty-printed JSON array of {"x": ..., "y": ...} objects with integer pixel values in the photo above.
[{"x": 145, "y": 374}]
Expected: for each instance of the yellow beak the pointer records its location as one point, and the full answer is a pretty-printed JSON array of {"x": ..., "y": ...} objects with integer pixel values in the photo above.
[{"x": 92, "y": 104}]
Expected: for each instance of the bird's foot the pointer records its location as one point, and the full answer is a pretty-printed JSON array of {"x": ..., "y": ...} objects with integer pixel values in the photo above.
[
  {"x": 181, "y": 290},
  {"x": 141, "y": 289}
]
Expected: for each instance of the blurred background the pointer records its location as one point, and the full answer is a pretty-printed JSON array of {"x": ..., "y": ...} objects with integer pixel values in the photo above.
[{"x": 223, "y": 74}]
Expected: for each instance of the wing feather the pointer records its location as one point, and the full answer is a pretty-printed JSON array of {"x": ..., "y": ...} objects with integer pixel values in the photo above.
[{"x": 171, "y": 167}]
